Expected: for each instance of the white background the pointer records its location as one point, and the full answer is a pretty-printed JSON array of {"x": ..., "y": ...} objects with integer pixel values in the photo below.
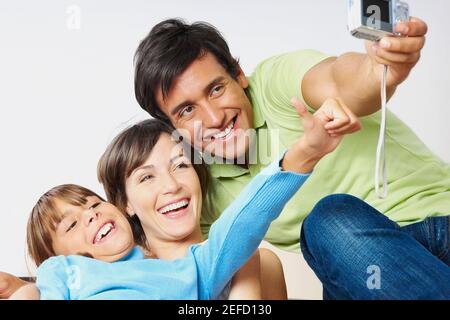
[{"x": 65, "y": 93}]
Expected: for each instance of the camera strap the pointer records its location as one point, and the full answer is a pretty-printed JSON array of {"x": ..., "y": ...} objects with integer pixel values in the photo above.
[{"x": 381, "y": 155}]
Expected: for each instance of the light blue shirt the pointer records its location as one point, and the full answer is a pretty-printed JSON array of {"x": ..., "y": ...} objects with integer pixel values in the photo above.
[{"x": 202, "y": 274}]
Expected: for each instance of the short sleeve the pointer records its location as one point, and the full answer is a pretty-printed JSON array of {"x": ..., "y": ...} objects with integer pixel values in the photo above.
[{"x": 276, "y": 80}]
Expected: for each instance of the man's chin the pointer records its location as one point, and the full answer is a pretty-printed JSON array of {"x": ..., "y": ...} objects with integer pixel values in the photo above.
[{"x": 232, "y": 152}]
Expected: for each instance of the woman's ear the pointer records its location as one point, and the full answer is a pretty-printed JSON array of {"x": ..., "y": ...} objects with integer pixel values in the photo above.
[{"x": 130, "y": 210}]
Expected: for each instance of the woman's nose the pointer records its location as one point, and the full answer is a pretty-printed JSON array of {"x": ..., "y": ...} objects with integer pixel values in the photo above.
[{"x": 170, "y": 184}]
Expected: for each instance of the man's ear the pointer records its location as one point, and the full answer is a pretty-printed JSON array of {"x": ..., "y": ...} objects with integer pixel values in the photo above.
[{"x": 241, "y": 78}]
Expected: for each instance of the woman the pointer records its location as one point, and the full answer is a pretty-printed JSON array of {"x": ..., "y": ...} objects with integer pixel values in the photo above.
[{"x": 138, "y": 174}]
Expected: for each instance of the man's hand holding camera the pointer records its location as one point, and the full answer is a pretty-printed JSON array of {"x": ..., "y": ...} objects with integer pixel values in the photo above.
[{"x": 401, "y": 54}]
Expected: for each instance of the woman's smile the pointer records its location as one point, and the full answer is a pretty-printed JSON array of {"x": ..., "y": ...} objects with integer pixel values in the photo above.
[{"x": 175, "y": 209}]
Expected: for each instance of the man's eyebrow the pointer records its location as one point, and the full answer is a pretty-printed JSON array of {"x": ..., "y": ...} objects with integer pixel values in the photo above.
[
  {"x": 213, "y": 83},
  {"x": 206, "y": 90},
  {"x": 179, "y": 107}
]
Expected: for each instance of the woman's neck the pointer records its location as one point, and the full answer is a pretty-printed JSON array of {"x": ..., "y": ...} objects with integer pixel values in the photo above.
[{"x": 171, "y": 250}]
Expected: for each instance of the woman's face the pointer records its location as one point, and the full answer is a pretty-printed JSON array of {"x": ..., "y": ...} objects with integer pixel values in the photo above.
[
  {"x": 96, "y": 228},
  {"x": 165, "y": 194}
]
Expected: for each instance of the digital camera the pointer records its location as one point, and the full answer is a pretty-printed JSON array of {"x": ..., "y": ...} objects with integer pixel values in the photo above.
[{"x": 375, "y": 19}]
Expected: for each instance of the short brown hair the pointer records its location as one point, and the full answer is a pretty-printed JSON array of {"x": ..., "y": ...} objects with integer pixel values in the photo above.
[
  {"x": 167, "y": 51},
  {"x": 44, "y": 218},
  {"x": 129, "y": 150}
]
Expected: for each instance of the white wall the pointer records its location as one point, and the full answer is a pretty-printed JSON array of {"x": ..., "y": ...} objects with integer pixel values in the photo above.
[{"x": 65, "y": 93}]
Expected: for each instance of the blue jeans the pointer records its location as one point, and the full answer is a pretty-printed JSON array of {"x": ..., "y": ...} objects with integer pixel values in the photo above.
[{"x": 358, "y": 253}]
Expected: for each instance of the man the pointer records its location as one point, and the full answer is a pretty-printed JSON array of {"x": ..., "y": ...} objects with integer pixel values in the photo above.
[{"x": 185, "y": 75}]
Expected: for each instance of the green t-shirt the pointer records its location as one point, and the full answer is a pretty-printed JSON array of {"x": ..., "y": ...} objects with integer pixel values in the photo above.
[{"x": 418, "y": 182}]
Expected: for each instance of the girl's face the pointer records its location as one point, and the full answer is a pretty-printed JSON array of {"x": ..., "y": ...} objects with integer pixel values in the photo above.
[
  {"x": 96, "y": 228},
  {"x": 165, "y": 193}
]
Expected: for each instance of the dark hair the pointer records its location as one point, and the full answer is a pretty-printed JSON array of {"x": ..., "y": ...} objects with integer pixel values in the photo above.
[
  {"x": 169, "y": 48},
  {"x": 45, "y": 216},
  {"x": 129, "y": 150}
]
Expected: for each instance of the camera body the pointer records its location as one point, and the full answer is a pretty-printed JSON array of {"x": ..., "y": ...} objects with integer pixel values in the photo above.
[{"x": 375, "y": 19}]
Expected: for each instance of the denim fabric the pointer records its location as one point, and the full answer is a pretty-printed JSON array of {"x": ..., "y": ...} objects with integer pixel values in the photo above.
[{"x": 358, "y": 253}]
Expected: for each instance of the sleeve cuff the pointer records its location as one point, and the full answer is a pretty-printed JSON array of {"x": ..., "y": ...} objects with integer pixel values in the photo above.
[{"x": 276, "y": 167}]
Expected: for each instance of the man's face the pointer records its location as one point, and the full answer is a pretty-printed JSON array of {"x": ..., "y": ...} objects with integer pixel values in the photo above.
[{"x": 210, "y": 108}]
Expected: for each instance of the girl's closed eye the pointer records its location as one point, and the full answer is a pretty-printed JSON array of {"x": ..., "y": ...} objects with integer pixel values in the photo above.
[
  {"x": 95, "y": 205},
  {"x": 72, "y": 225}
]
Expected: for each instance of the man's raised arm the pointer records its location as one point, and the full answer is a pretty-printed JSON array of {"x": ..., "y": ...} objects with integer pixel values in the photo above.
[{"x": 356, "y": 77}]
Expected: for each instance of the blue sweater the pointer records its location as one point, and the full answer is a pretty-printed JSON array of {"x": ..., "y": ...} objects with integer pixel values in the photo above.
[{"x": 202, "y": 274}]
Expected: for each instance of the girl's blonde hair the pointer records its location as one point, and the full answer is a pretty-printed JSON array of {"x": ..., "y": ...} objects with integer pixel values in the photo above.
[{"x": 45, "y": 217}]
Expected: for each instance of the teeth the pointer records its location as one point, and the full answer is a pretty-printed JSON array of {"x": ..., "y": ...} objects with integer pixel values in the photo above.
[
  {"x": 173, "y": 206},
  {"x": 103, "y": 231},
  {"x": 225, "y": 132}
]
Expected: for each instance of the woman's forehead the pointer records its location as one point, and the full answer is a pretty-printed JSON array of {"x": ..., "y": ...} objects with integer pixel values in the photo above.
[{"x": 166, "y": 149}]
